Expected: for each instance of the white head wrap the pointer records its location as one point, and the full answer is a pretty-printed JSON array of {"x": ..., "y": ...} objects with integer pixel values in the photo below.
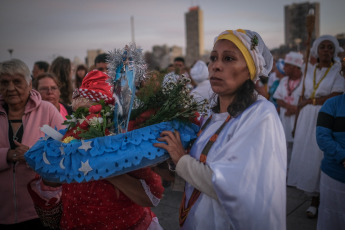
[
  {"x": 294, "y": 58},
  {"x": 259, "y": 52},
  {"x": 317, "y": 42},
  {"x": 199, "y": 72}
]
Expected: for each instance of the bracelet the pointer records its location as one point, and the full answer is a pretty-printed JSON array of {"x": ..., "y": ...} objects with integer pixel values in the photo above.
[{"x": 171, "y": 166}]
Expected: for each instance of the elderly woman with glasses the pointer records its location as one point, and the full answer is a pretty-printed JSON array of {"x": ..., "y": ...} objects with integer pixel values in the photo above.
[
  {"x": 22, "y": 113},
  {"x": 236, "y": 169}
]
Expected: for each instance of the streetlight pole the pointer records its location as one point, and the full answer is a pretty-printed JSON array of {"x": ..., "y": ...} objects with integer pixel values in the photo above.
[{"x": 10, "y": 51}]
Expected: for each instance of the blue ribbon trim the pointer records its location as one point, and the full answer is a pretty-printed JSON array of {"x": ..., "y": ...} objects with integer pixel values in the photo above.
[{"x": 108, "y": 156}]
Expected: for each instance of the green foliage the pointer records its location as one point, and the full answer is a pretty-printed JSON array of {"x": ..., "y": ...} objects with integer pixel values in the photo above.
[{"x": 170, "y": 101}]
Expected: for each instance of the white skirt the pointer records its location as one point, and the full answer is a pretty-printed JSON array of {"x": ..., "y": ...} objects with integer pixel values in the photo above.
[
  {"x": 332, "y": 204},
  {"x": 306, "y": 156}
]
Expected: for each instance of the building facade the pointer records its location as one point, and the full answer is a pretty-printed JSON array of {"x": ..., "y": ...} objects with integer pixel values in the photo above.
[
  {"x": 194, "y": 35},
  {"x": 91, "y": 55},
  {"x": 296, "y": 34},
  {"x": 162, "y": 56}
]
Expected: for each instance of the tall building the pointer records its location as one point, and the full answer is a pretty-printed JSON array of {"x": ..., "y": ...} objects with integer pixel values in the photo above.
[
  {"x": 296, "y": 34},
  {"x": 194, "y": 35}
]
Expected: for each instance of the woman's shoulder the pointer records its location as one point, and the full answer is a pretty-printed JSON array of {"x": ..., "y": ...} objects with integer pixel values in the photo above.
[
  {"x": 262, "y": 103},
  {"x": 260, "y": 108}
]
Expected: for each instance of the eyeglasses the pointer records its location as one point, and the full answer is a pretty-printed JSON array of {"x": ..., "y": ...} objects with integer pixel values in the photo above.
[{"x": 47, "y": 89}]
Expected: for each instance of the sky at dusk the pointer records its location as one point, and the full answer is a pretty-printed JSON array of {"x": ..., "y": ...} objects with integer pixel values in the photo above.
[{"x": 44, "y": 29}]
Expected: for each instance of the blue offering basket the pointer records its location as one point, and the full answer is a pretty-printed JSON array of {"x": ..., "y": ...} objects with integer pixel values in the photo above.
[{"x": 103, "y": 157}]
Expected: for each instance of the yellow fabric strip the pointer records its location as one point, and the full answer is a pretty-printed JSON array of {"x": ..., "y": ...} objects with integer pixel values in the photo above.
[{"x": 249, "y": 60}]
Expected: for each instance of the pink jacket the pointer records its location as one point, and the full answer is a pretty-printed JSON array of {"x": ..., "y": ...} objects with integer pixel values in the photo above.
[{"x": 15, "y": 203}]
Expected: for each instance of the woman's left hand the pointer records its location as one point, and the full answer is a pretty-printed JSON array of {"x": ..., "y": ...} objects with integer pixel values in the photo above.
[
  {"x": 19, "y": 151},
  {"x": 172, "y": 145}
]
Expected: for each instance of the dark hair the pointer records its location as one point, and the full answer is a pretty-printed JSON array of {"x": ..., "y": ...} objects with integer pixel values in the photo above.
[
  {"x": 77, "y": 79},
  {"x": 45, "y": 75},
  {"x": 181, "y": 59},
  {"x": 101, "y": 58},
  {"x": 61, "y": 68},
  {"x": 42, "y": 65},
  {"x": 244, "y": 97}
]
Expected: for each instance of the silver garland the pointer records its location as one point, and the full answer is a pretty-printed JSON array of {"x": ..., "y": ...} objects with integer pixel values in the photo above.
[{"x": 118, "y": 57}]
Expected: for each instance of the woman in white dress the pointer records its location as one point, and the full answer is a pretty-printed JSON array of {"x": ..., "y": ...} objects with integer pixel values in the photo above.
[
  {"x": 236, "y": 169},
  {"x": 287, "y": 95},
  {"x": 322, "y": 81}
]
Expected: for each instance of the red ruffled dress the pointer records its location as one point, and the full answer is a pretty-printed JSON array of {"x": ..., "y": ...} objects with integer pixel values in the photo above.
[{"x": 99, "y": 205}]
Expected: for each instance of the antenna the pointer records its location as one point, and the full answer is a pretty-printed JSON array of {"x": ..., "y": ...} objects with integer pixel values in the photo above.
[{"x": 132, "y": 28}]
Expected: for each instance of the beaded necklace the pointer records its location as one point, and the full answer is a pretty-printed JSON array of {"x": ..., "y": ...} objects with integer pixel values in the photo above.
[
  {"x": 184, "y": 211},
  {"x": 316, "y": 86},
  {"x": 291, "y": 84}
]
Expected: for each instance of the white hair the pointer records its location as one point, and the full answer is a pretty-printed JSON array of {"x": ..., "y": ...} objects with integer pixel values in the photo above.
[{"x": 15, "y": 66}]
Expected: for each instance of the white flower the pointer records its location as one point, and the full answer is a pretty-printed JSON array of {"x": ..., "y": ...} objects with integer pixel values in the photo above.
[
  {"x": 95, "y": 121},
  {"x": 81, "y": 120}
]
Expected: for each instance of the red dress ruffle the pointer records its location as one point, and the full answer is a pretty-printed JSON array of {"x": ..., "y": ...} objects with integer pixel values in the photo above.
[{"x": 99, "y": 205}]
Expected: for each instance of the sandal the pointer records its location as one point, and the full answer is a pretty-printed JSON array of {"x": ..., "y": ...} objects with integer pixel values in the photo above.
[{"x": 311, "y": 212}]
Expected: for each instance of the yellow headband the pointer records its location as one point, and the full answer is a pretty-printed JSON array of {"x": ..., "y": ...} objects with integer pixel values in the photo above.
[{"x": 247, "y": 57}]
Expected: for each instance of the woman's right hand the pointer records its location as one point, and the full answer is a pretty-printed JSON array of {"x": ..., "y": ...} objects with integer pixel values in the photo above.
[
  {"x": 304, "y": 102},
  {"x": 172, "y": 145},
  {"x": 17, "y": 154}
]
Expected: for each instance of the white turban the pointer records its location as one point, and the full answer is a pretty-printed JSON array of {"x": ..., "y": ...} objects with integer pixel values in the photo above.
[
  {"x": 294, "y": 58},
  {"x": 259, "y": 60},
  {"x": 199, "y": 72},
  {"x": 337, "y": 48}
]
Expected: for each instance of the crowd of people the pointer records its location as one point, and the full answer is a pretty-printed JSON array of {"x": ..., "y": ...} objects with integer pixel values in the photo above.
[{"x": 271, "y": 124}]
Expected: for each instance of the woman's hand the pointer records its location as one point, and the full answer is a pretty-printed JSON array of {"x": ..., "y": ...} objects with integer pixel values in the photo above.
[
  {"x": 172, "y": 145},
  {"x": 304, "y": 102},
  {"x": 17, "y": 154},
  {"x": 291, "y": 110}
]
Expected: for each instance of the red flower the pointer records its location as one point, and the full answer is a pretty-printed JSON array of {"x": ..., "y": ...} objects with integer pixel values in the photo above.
[
  {"x": 84, "y": 125},
  {"x": 90, "y": 116},
  {"x": 95, "y": 108},
  {"x": 196, "y": 119},
  {"x": 135, "y": 124}
]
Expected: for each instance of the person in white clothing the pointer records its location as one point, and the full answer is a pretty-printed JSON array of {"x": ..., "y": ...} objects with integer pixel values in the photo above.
[
  {"x": 287, "y": 95},
  {"x": 236, "y": 169},
  {"x": 199, "y": 73},
  {"x": 322, "y": 81}
]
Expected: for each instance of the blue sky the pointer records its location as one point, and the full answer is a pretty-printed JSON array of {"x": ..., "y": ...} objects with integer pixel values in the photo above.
[{"x": 44, "y": 29}]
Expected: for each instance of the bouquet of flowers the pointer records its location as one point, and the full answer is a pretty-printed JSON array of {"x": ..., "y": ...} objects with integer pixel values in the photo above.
[
  {"x": 87, "y": 123},
  {"x": 166, "y": 98}
]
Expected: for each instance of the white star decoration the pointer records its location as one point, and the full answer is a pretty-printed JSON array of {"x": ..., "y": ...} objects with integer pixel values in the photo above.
[
  {"x": 85, "y": 145},
  {"x": 85, "y": 167}
]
